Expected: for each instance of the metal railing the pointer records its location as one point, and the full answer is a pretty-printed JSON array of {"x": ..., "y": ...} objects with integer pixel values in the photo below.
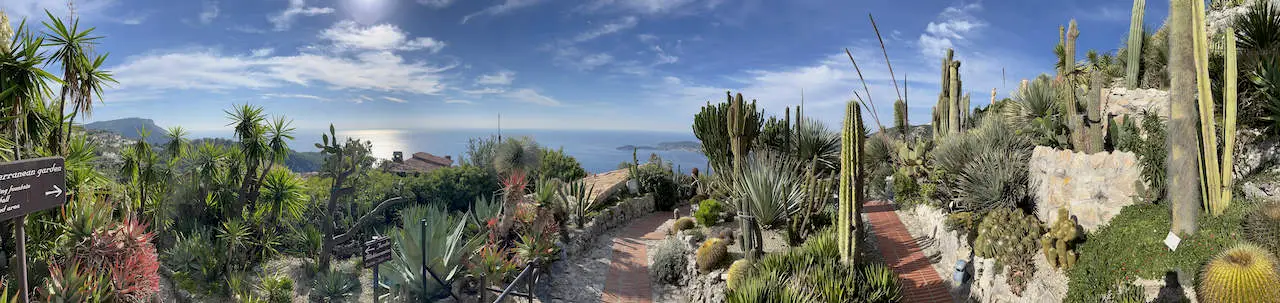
[{"x": 530, "y": 269}]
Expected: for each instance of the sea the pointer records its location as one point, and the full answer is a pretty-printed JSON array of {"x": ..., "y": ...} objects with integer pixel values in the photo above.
[{"x": 596, "y": 150}]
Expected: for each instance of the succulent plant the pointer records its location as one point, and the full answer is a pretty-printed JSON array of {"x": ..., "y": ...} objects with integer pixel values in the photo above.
[
  {"x": 1245, "y": 273},
  {"x": 851, "y": 177},
  {"x": 1007, "y": 235},
  {"x": 1058, "y": 245},
  {"x": 680, "y": 224},
  {"x": 1262, "y": 227},
  {"x": 711, "y": 254},
  {"x": 736, "y": 272},
  {"x": 708, "y": 212}
]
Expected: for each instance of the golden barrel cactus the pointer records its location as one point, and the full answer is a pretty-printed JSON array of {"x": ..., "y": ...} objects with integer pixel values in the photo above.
[
  {"x": 737, "y": 271},
  {"x": 711, "y": 254},
  {"x": 1245, "y": 273}
]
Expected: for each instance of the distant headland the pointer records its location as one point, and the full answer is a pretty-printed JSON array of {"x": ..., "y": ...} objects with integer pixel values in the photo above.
[{"x": 689, "y": 146}]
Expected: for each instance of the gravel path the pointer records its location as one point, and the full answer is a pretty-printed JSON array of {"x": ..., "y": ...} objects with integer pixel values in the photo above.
[{"x": 579, "y": 278}]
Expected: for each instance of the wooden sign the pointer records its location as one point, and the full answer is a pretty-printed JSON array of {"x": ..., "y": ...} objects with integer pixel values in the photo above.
[
  {"x": 376, "y": 251},
  {"x": 32, "y": 185}
]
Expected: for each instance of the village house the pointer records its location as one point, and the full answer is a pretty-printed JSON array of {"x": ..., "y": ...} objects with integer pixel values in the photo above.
[{"x": 418, "y": 164}]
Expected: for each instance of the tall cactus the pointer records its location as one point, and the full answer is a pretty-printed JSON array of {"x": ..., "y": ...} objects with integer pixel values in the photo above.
[
  {"x": 1087, "y": 134},
  {"x": 1184, "y": 187},
  {"x": 954, "y": 95},
  {"x": 1208, "y": 135},
  {"x": 1134, "y": 47},
  {"x": 1229, "y": 117},
  {"x": 739, "y": 122},
  {"x": 936, "y": 124},
  {"x": 900, "y": 119},
  {"x": 1094, "y": 135},
  {"x": 851, "y": 183}
]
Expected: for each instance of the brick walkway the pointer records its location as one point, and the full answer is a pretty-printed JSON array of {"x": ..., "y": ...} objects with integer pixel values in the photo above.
[
  {"x": 920, "y": 282},
  {"x": 628, "y": 278}
]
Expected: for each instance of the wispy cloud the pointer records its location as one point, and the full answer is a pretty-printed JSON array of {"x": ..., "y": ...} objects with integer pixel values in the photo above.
[
  {"x": 457, "y": 101},
  {"x": 502, "y": 78},
  {"x": 348, "y": 35},
  {"x": 650, "y": 7},
  {"x": 293, "y": 96},
  {"x": 527, "y": 95},
  {"x": 505, "y": 7},
  {"x": 954, "y": 25},
  {"x": 284, "y": 19},
  {"x": 263, "y": 52},
  {"x": 394, "y": 99},
  {"x": 436, "y": 3},
  {"x": 576, "y": 58},
  {"x": 209, "y": 12},
  {"x": 609, "y": 28}
]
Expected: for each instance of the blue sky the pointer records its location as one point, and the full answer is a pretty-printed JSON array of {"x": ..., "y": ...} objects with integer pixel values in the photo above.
[{"x": 583, "y": 64}]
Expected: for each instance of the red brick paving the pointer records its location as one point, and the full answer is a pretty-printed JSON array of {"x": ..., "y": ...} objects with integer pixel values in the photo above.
[
  {"x": 628, "y": 278},
  {"x": 920, "y": 282}
]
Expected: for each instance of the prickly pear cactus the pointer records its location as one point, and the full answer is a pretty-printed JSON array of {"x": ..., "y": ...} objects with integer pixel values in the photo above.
[{"x": 1058, "y": 245}]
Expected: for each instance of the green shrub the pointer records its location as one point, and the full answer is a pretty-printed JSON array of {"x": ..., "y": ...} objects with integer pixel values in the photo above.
[
  {"x": 985, "y": 168},
  {"x": 698, "y": 198},
  {"x": 708, "y": 212},
  {"x": 680, "y": 224},
  {"x": 812, "y": 272},
  {"x": 696, "y": 234},
  {"x": 556, "y": 164},
  {"x": 904, "y": 186},
  {"x": 454, "y": 187},
  {"x": 277, "y": 289},
  {"x": 669, "y": 261},
  {"x": 711, "y": 254},
  {"x": 656, "y": 179},
  {"x": 879, "y": 164},
  {"x": 1131, "y": 246}
]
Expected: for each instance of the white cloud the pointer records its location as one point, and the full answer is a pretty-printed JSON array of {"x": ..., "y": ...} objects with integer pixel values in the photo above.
[
  {"x": 647, "y": 38},
  {"x": 505, "y": 7},
  {"x": 135, "y": 20},
  {"x": 210, "y": 71},
  {"x": 34, "y": 10},
  {"x": 613, "y": 27},
  {"x": 348, "y": 35},
  {"x": 457, "y": 101},
  {"x": 663, "y": 57},
  {"x": 483, "y": 91},
  {"x": 394, "y": 99},
  {"x": 436, "y": 3},
  {"x": 650, "y": 7},
  {"x": 209, "y": 12},
  {"x": 284, "y": 19},
  {"x": 293, "y": 96},
  {"x": 503, "y": 77},
  {"x": 263, "y": 52},
  {"x": 953, "y": 25},
  {"x": 573, "y": 57},
  {"x": 531, "y": 96}
]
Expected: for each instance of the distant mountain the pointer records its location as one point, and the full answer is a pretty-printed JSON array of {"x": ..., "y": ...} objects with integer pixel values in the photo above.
[
  {"x": 678, "y": 145},
  {"x": 128, "y": 128}
]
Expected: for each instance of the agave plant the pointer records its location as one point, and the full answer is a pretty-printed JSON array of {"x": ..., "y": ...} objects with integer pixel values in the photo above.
[
  {"x": 577, "y": 199},
  {"x": 73, "y": 284},
  {"x": 447, "y": 246},
  {"x": 769, "y": 188},
  {"x": 334, "y": 286}
]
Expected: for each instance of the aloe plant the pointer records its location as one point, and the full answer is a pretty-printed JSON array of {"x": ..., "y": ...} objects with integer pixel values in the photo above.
[{"x": 448, "y": 245}]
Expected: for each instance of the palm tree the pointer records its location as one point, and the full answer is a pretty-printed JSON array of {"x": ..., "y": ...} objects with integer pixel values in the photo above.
[
  {"x": 72, "y": 51},
  {"x": 248, "y": 121},
  {"x": 177, "y": 145},
  {"x": 91, "y": 84},
  {"x": 22, "y": 82},
  {"x": 285, "y": 196},
  {"x": 280, "y": 130}
]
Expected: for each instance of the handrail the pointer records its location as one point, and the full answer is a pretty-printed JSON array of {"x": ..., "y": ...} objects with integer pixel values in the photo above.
[{"x": 528, "y": 287}]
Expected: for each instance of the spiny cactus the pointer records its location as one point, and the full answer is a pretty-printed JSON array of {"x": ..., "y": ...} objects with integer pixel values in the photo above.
[
  {"x": 1134, "y": 47},
  {"x": 1244, "y": 273},
  {"x": 848, "y": 223},
  {"x": 681, "y": 224},
  {"x": 736, "y": 272},
  {"x": 1228, "y": 120},
  {"x": 951, "y": 113},
  {"x": 1184, "y": 187},
  {"x": 1007, "y": 235},
  {"x": 954, "y": 95},
  {"x": 1058, "y": 244},
  {"x": 711, "y": 254},
  {"x": 900, "y": 119},
  {"x": 1262, "y": 227}
]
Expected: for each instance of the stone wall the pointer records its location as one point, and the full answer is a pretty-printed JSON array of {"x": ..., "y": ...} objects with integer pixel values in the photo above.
[
  {"x": 1092, "y": 187},
  {"x": 580, "y": 239},
  {"x": 1120, "y": 101}
]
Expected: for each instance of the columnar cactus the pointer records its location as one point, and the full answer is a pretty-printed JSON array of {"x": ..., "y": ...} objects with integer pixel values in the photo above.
[
  {"x": 1244, "y": 273},
  {"x": 740, "y": 122},
  {"x": 848, "y": 221},
  {"x": 1058, "y": 245},
  {"x": 1184, "y": 187},
  {"x": 954, "y": 97},
  {"x": 900, "y": 119},
  {"x": 1228, "y": 119},
  {"x": 1211, "y": 181},
  {"x": 1134, "y": 56}
]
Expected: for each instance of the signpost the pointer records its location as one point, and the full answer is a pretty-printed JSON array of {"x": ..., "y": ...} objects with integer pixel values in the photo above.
[
  {"x": 376, "y": 251},
  {"x": 28, "y": 186}
]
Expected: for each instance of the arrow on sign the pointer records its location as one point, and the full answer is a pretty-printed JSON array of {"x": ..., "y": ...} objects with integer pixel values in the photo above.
[{"x": 56, "y": 192}]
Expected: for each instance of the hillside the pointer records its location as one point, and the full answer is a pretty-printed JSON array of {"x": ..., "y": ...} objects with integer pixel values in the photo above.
[{"x": 128, "y": 128}]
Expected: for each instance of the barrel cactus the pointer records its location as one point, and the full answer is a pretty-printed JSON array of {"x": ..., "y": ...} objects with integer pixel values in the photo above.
[
  {"x": 681, "y": 224},
  {"x": 737, "y": 271},
  {"x": 1245, "y": 273},
  {"x": 1262, "y": 227},
  {"x": 711, "y": 254},
  {"x": 1007, "y": 235},
  {"x": 1058, "y": 244}
]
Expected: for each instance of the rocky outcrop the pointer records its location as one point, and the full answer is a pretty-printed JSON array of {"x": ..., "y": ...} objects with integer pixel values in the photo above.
[
  {"x": 1093, "y": 187},
  {"x": 1120, "y": 101}
]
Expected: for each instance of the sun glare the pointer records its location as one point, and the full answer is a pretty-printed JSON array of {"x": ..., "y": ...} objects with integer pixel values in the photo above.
[{"x": 368, "y": 11}]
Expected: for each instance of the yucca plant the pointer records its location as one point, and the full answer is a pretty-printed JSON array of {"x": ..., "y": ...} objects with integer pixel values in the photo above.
[
  {"x": 276, "y": 289},
  {"x": 578, "y": 200},
  {"x": 768, "y": 189},
  {"x": 516, "y": 155},
  {"x": 335, "y": 286},
  {"x": 447, "y": 246}
]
